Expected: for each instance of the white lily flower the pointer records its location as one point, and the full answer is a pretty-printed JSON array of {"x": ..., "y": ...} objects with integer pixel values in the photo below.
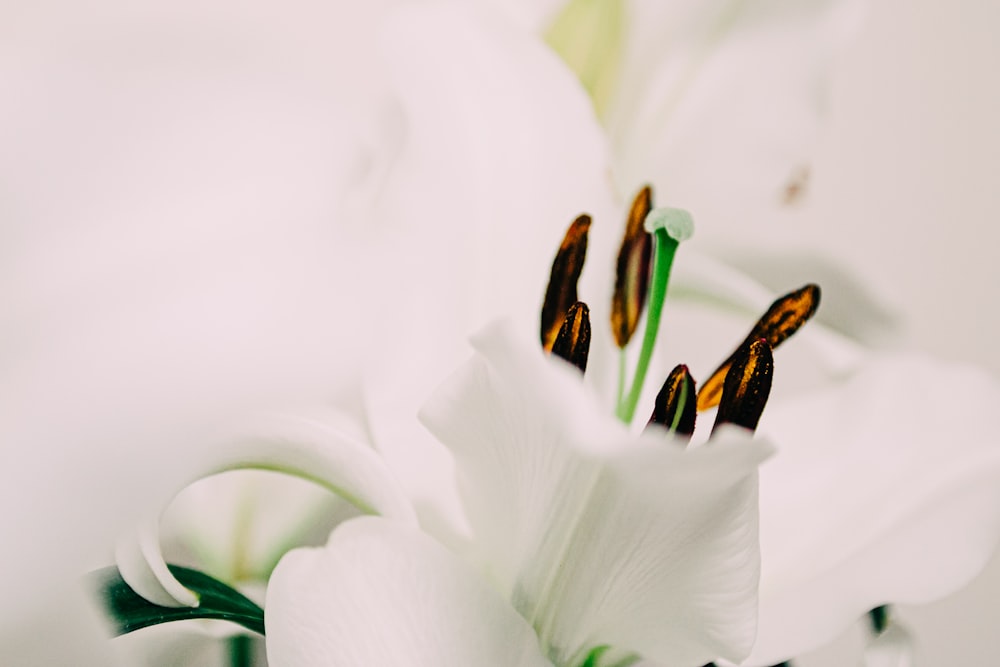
[{"x": 593, "y": 536}]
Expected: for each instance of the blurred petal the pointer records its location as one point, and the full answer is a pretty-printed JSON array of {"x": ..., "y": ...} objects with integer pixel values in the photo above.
[
  {"x": 599, "y": 537},
  {"x": 501, "y": 150},
  {"x": 384, "y": 594},
  {"x": 303, "y": 445},
  {"x": 533, "y": 15},
  {"x": 171, "y": 174},
  {"x": 850, "y": 307},
  {"x": 892, "y": 648},
  {"x": 700, "y": 278},
  {"x": 726, "y": 97},
  {"x": 895, "y": 499},
  {"x": 234, "y": 526}
]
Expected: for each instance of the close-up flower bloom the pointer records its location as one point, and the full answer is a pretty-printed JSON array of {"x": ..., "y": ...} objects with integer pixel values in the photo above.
[{"x": 260, "y": 237}]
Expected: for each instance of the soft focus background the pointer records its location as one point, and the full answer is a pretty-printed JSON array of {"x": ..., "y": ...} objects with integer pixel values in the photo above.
[{"x": 905, "y": 190}]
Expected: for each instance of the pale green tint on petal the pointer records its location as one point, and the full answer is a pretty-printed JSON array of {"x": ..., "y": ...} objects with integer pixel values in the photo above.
[
  {"x": 255, "y": 517},
  {"x": 381, "y": 593},
  {"x": 307, "y": 445},
  {"x": 885, "y": 489},
  {"x": 597, "y": 536},
  {"x": 588, "y": 35},
  {"x": 501, "y": 151}
]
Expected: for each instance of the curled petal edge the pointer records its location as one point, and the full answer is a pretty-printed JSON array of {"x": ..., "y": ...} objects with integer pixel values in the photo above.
[{"x": 304, "y": 447}]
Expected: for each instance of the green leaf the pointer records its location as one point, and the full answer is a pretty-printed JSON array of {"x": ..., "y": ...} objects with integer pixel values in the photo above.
[{"x": 130, "y": 612}]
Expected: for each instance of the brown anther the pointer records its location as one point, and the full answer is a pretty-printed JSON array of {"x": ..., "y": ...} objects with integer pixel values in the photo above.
[
  {"x": 785, "y": 316},
  {"x": 632, "y": 273},
  {"x": 561, "y": 291},
  {"x": 747, "y": 386},
  {"x": 573, "y": 340},
  {"x": 675, "y": 404}
]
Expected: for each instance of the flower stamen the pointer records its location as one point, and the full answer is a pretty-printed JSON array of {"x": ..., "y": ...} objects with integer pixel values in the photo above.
[
  {"x": 573, "y": 340},
  {"x": 632, "y": 272},
  {"x": 561, "y": 292},
  {"x": 785, "y": 316},
  {"x": 747, "y": 386},
  {"x": 675, "y": 404}
]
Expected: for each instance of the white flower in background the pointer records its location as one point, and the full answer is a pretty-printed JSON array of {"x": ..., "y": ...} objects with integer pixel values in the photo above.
[
  {"x": 894, "y": 500},
  {"x": 719, "y": 105}
]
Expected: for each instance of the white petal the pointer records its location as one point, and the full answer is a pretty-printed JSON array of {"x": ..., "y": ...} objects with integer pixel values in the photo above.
[
  {"x": 302, "y": 445},
  {"x": 501, "y": 151},
  {"x": 238, "y": 524},
  {"x": 381, "y": 593},
  {"x": 699, "y": 277},
  {"x": 597, "y": 536},
  {"x": 885, "y": 489},
  {"x": 533, "y": 15},
  {"x": 169, "y": 262},
  {"x": 724, "y": 97},
  {"x": 144, "y": 569}
]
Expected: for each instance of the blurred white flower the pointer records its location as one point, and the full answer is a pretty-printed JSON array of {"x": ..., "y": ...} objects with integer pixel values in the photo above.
[
  {"x": 720, "y": 105},
  {"x": 584, "y": 537}
]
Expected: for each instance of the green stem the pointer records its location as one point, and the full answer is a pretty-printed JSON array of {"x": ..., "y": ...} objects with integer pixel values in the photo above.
[
  {"x": 621, "y": 376},
  {"x": 665, "y": 247},
  {"x": 240, "y": 651}
]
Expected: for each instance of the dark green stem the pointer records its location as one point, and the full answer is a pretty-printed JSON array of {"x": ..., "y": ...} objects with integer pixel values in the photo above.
[
  {"x": 240, "y": 651},
  {"x": 879, "y": 619}
]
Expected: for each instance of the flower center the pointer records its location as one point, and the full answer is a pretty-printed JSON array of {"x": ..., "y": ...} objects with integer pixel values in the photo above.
[{"x": 740, "y": 385}]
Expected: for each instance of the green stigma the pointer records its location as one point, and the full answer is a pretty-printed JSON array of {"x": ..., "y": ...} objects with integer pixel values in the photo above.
[{"x": 669, "y": 226}]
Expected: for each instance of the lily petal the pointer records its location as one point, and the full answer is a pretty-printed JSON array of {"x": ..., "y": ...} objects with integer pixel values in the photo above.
[
  {"x": 597, "y": 536},
  {"x": 501, "y": 149},
  {"x": 170, "y": 173},
  {"x": 303, "y": 446},
  {"x": 895, "y": 500},
  {"x": 377, "y": 579},
  {"x": 723, "y": 96}
]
